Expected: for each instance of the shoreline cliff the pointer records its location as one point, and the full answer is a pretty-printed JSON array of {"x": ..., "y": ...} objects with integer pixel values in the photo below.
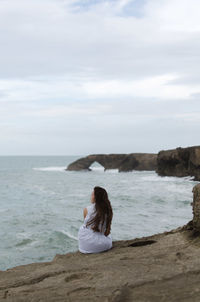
[
  {"x": 163, "y": 266},
  {"x": 177, "y": 162}
]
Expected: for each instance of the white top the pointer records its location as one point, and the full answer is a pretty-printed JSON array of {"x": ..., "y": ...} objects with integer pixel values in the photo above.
[{"x": 91, "y": 241}]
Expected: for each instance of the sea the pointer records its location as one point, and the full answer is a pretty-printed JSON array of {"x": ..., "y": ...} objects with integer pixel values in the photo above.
[{"x": 41, "y": 205}]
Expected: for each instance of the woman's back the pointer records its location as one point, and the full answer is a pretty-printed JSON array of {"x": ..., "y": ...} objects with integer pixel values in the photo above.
[
  {"x": 91, "y": 241},
  {"x": 90, "y": 214},
  {"x": 91, "y": 235}
]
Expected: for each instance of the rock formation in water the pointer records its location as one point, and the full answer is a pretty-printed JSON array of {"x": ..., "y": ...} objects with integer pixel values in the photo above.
[
  {"x": 122, "y": 162},
  {"x": 179, "y": 162},
  {"x": 162, "y": 267}
]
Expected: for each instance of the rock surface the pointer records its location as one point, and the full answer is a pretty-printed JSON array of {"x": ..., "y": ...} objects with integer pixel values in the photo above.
[
  {"x": 196, "y": 208},
  {"x": 162, "y": 267},
  {"x": 122, "y": 162},
  {"x": 179, "y": 162},
  {"x": 174, "y": 162}
]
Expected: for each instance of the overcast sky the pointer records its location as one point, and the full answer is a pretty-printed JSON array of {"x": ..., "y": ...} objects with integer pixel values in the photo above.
[{"x": 83, "y": 77}]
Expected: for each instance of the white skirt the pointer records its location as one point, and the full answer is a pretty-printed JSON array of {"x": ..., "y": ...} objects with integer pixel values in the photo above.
[{"x": 93, "y": 242}]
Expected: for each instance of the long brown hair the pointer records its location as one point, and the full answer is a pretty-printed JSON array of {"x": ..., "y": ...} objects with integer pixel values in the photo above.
[{"x": 103, "y": 210}]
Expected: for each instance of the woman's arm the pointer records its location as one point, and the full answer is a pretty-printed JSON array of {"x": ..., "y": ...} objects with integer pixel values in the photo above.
[{"x": 85, "y": 212}]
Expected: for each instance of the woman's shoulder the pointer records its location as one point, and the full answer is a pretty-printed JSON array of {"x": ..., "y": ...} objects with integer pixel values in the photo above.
[{"x": 90, "y": 207}]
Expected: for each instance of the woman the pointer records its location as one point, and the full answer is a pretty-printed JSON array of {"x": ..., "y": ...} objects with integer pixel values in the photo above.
[{"x": 94, "y": 235}]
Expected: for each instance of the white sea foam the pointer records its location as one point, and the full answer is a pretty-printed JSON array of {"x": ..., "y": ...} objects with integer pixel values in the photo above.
[
  {"x": 156, "y": 177},
  {"x": 112, "y": 171},
  {"x": 53, "y": 169},
  {"x": 97, "y": 169},
  {"x": 101, "y": 169},
  {"x": 69, "y": 235}
]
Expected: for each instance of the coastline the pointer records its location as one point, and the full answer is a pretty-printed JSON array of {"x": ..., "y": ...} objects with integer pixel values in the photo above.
[
  {"x": 139, "y": 269},
  {"x": 161, "y": 266}
]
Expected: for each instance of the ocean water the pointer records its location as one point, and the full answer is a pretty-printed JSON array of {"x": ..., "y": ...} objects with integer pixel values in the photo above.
[{"x": 41, "y": 205}]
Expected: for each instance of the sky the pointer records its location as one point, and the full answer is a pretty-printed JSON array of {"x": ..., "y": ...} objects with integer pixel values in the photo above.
[{"x": 89, "y": 77}]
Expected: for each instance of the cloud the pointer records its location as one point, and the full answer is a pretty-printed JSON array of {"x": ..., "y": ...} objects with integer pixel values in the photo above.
[
  {"x": 114, "y": 68},
  {"x": 175, "y": 15},
  {"x": 49, "y": 38},
  {"x": 156, "y": 86}
]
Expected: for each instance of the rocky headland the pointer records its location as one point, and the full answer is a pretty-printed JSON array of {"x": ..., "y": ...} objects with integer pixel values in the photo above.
[
  {"x": 174, "y": 162},
  {"x": 162, "y": 267},
  {"x": 122, "y": 162},
  {"x": 179, "y": 162}
]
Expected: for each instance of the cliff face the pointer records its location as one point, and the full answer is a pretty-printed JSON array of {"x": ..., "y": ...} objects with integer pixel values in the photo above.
[
  {"x": 196, "y": 208},
  {"x": 179, "y": 162},
  {"x": 175, "y": 162},
  {"x": 162, "y": 267},
  {"x": 122, "y": 162}
]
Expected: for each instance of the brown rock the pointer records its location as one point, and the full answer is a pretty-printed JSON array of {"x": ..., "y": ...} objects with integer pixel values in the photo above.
[
  {"x": 196, "y": 208},
  {"x": 179, "y": 162},
  {"x": 122, "y": 162}
]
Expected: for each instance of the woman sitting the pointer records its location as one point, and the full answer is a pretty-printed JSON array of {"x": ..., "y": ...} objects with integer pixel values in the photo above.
[{"x": 94, "y": 235}]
